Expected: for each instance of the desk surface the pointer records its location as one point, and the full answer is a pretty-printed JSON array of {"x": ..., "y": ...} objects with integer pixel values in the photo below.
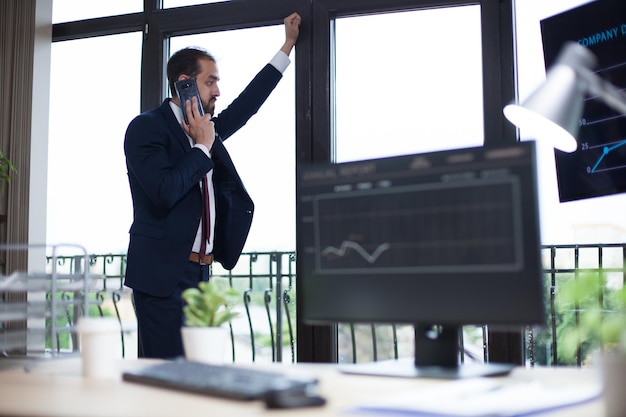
[{"x": 54, "y": 387}]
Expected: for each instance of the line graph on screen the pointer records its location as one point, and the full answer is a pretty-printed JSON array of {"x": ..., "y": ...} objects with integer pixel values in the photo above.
[{"x": 399, "y": 229}]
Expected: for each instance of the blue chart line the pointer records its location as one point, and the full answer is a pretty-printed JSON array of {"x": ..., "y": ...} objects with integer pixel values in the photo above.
[
  {"x": 605, "y": 151},
  {"x": 346, "y": 244}
]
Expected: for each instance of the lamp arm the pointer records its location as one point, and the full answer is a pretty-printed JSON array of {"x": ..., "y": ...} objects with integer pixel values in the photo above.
[{"x": 609, "y": 93}]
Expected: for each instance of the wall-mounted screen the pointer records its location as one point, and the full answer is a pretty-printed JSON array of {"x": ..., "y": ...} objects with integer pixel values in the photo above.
[{"x": 598, "y": 167}]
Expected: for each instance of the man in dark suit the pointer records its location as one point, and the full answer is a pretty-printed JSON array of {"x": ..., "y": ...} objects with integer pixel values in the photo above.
[{"x": 167, "y": 161}]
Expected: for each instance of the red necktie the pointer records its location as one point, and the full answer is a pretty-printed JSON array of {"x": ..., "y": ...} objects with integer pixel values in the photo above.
[{"x": 206, "y": 218}]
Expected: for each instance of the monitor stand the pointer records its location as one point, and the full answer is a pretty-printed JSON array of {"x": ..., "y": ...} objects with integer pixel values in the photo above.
[{"x": 436, "y": 356}]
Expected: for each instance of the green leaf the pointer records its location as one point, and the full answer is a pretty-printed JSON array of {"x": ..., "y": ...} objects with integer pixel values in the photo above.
[
  {"x": 209, "y": 305},
  {"x": 592, "y": 315}
]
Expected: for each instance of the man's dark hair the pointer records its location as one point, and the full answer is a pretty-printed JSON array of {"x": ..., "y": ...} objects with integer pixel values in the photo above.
[{"x": 185, "y": 61}]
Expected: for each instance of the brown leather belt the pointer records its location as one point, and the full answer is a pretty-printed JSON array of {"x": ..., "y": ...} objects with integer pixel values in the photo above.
[{"x": 202, "y": 260}]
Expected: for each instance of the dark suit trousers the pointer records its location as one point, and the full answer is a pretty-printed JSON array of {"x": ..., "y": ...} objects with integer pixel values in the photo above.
[{"x": 159, "y": 319}]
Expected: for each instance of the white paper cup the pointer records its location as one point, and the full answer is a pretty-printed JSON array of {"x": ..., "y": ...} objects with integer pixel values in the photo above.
[{"x": 99, "y": 347}]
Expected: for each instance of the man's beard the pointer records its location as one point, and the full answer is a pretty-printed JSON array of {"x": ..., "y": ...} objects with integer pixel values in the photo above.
[{"x": 209, "y": 108}]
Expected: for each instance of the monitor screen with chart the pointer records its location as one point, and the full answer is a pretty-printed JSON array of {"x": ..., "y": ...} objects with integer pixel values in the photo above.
[
  {"x": 446, "y": 238},
  {"x": 598, "y": 167}
]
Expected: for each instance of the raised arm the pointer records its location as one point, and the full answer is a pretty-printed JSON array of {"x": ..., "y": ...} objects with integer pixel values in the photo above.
[{"x": 292, "y": 30}]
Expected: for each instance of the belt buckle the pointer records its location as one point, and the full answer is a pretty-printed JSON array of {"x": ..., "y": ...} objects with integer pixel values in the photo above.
[{"x": 202, "y": 258}]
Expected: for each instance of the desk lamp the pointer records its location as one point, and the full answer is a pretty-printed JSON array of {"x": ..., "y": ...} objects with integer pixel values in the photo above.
[{"x": 552, "y": 112}]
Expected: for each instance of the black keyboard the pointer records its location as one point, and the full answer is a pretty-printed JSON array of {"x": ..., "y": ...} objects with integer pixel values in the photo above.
[{"x": 228, "y": 381}]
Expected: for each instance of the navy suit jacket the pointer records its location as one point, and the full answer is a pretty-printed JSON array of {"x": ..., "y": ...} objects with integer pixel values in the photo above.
[{"x": 164, "y": 171}]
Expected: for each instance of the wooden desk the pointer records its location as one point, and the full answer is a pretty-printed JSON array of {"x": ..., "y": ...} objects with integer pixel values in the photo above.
[{"x": 55, "y": 388}]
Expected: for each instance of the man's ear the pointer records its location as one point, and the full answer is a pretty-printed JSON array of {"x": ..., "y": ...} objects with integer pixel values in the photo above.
[{"x": 183, "y": 77}]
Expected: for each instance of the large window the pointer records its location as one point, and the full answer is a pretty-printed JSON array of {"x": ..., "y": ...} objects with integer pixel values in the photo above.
[
  {"x": 94, "y": 94},
  {"x": 408, "y": 82},
  {"x": 89, "y": 200},
  {"x": 70, "y": 10},
  {"x": 397, "y": 93}
]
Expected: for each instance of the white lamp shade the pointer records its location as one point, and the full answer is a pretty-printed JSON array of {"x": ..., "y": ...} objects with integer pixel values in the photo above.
[{"x": 551, "y": 114}]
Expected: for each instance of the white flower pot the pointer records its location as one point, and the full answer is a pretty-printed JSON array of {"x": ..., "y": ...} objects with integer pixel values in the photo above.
[
  {"x": 613, "y": 369},
  {"x": 205, "y": 344}
]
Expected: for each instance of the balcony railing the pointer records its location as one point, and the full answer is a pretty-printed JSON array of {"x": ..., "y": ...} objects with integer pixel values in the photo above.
[{"x": 266, "y": 329}]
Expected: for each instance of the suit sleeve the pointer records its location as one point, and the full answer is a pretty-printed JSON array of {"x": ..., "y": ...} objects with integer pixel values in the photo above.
[
  {"x": 163, "y": 170},
  {"x": 248, "y": 103}
]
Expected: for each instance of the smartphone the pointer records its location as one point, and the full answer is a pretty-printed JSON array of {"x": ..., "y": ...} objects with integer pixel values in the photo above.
[{"x": 186, "y": 89}]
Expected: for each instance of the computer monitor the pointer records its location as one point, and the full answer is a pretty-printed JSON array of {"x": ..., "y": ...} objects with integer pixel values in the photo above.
[{"x": 446, "y": 238}]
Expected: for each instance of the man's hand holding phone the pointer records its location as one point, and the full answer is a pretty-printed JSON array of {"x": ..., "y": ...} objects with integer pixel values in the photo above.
[
  {"x": 196, "y": 124},
  {"x": 200, "y": 128}
]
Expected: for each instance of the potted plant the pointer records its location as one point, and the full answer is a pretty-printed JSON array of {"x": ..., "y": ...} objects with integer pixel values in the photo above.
[
  {"x": 600, "y": 330},
  {"x": 207, "y": 308}
]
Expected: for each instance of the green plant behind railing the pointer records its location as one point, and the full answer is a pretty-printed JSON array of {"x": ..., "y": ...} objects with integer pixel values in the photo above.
[{"x": 592, "y": 316}]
